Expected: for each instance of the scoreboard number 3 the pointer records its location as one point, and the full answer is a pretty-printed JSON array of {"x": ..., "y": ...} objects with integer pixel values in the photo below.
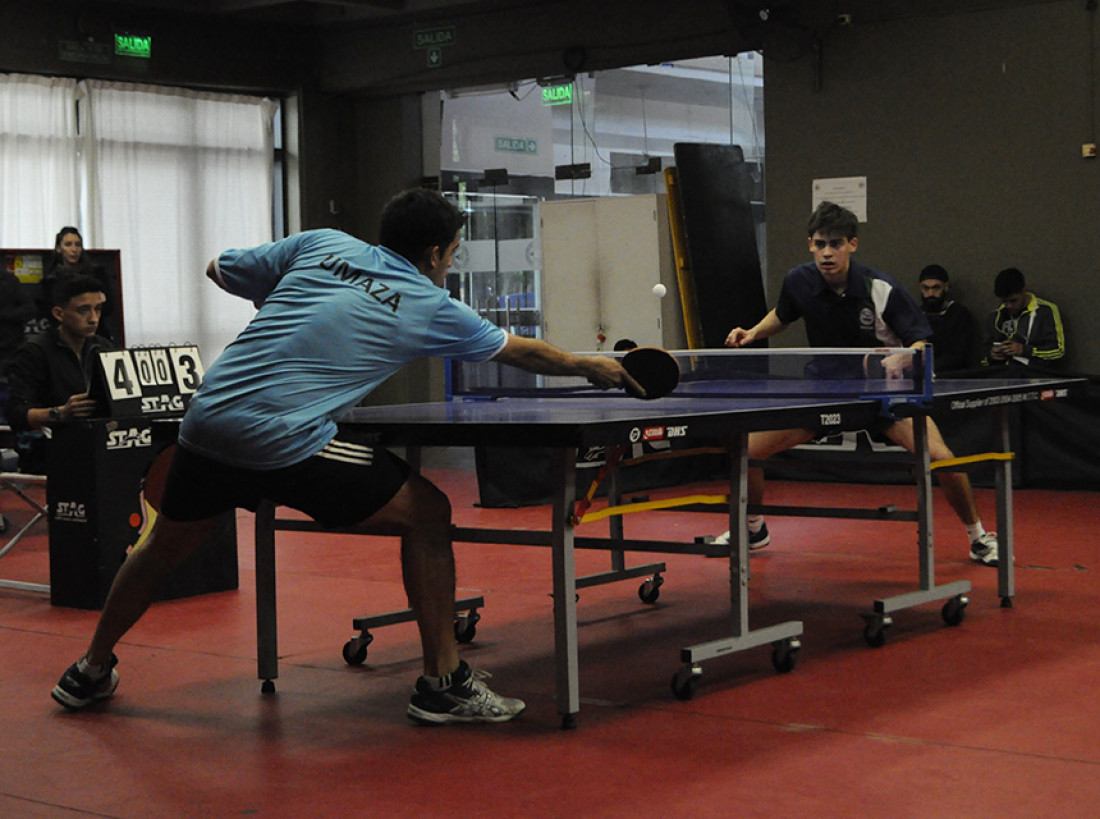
[{"x": 188, "y": 368}]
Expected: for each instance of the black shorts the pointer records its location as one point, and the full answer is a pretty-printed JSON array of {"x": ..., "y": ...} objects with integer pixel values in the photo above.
[{"x": 343, "y": 484}]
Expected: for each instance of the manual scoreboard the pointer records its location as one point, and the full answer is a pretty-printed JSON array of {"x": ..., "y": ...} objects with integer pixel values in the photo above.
[{"x": 148, "y": 381}]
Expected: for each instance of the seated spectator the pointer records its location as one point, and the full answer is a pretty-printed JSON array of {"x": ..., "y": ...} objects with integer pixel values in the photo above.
[
  {"x": 16, "y": 309},
  {"x": 1025, "y": 328},
  {"x": 952, "y": 325},
  {"x": 50, "y": 375}
]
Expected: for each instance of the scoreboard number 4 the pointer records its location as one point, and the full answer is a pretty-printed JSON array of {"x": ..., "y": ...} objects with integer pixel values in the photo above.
[{"x": 122, "y": 379}]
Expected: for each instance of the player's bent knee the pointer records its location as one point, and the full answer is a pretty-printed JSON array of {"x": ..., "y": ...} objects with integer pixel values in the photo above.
[{"x": 419, "y": 506}]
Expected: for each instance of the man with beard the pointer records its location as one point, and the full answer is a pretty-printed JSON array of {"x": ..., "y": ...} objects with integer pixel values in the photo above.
[{"x": 952, "y": 325}]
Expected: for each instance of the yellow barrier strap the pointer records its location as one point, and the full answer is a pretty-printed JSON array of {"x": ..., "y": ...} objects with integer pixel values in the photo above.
[
  {"x": 973, "y": 459},
  {"x": 666, "y": 503}
]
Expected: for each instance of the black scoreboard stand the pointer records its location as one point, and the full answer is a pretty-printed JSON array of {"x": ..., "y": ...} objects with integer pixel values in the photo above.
[{"x": 97, "y": 470}]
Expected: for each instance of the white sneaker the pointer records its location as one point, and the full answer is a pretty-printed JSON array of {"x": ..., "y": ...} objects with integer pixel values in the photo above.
[
  {"x": 467, "y": 700},
  {"x": 984, "y": 549},
  {"x": 757, "y": 540}
]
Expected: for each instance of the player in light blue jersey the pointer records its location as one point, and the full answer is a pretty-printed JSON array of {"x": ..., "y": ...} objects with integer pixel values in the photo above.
[{"x": 336, "y": 317}]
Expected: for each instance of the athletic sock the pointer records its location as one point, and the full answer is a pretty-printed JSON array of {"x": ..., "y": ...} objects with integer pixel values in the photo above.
[
  {"x": 92, "y": 672},
  {"x": 756, "y": 523},
  {"x": 975, "y": 530},
  {"x": 447, "y": 680}
]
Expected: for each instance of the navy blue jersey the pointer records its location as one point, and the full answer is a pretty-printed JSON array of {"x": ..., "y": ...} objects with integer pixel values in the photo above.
[{"x": 874, "y": 310}]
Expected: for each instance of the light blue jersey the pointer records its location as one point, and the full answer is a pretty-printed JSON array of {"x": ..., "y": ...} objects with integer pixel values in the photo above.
[{"x": 337, "y": 317}]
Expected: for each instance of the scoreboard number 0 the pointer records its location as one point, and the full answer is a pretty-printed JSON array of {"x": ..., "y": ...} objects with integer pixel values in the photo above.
[{"x": 152, "y": 366}]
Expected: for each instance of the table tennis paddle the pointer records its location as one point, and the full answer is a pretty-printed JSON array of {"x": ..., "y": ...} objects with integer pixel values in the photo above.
[{"x": 655, "y": 370}]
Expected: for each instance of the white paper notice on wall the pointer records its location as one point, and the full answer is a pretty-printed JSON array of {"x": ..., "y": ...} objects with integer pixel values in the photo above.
[{"x": 847, "y": 191}]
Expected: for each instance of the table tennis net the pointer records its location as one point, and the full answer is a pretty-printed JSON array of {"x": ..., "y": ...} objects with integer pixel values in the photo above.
[{"x": 840, "y": 372}]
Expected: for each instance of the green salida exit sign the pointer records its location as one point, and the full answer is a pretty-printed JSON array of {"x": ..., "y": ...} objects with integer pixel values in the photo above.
[
  {"x": 558, "y": 94},
  {"x": 134, "y": 45}
]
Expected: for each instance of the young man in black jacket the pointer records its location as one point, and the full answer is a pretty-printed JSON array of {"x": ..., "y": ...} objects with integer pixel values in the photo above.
[{"x": 50, "y": 374}]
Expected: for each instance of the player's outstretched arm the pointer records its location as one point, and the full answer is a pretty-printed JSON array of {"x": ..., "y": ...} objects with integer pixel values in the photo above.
[
  {"x": 765, "y": 328},
  {"x": 537, "y": 356}
]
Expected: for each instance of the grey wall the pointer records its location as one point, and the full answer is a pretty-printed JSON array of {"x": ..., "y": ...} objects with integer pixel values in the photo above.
[{"x": 969, "y": 128}]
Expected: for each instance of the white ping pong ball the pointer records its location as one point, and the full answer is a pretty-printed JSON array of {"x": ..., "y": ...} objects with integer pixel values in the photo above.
[{"x": 659, "y": 290}]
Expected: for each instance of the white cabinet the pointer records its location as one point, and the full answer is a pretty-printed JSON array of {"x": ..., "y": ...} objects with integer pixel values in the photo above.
[{"x": 600, "y": 260}]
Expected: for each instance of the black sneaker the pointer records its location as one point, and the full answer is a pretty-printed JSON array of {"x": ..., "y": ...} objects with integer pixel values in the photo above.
[
  {"x": 76, "y": 689},
  {"x": 757, "y": 540},
  {"x": 467, "y": 700}
]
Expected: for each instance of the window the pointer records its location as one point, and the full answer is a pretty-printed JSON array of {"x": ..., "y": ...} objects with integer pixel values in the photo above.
[{"x": 168, "y": 176}]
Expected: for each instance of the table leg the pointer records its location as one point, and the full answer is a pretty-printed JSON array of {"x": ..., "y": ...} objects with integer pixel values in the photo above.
[
  {"x": 267, "y": 638},
  {"x": 739, "y": 544},
  {"x": 925, "y": 531},
  {"x": 1006, "y": 581},
  {"x": 565, "y": 590}
]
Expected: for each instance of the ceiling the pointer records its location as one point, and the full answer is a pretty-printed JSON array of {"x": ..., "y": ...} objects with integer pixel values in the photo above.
[{"x": 322, "y": 12}]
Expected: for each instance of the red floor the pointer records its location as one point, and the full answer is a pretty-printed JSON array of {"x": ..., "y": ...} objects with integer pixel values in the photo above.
[{"x": 999, "y": 716}]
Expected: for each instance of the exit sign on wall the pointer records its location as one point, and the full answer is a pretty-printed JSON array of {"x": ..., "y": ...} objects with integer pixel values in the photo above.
[
  {"x": 516, "y": 145},
  {"x": 134, "y": 45}
]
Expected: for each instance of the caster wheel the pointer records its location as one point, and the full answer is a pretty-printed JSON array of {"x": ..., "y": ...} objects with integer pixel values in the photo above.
[
  {"x": 355, "y": 649},
  {"x": 649, "y": 591},
  {"x": 268, "y": 687},
  {"x": 466, "y": 627},
  {"x": 685, "y": 681},
  {"x": 785, "y": 655},
  {"x": 875, "y": 630},
  {"x": 954, "y": 610}
]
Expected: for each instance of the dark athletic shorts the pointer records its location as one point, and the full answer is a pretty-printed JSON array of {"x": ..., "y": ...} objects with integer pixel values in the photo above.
[{"x": 343, "y": 484}]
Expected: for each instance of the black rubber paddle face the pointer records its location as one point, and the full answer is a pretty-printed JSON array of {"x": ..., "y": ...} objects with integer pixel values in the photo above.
[{"x": 654, "y": 369}]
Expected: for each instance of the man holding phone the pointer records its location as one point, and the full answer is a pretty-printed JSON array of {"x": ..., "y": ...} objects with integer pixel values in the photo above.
[{"x": 1024, "y": 328}]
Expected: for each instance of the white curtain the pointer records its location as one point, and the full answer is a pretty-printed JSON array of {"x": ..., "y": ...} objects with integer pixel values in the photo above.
[
  {"x": 39, "y": 159},
  {"x": 175, "y": 177}
]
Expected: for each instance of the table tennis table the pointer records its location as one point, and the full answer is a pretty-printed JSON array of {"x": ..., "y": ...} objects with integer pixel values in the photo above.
[{"x": 699, "y": 413}]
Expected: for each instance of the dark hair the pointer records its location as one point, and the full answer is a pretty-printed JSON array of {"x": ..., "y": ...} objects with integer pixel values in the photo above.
[
  {"x": 72, "y": 286},
  {"x": 934, "y": 271},
  {"x": 63, "y": 231},
  {"x": 1008, "y": 281},
  {"x": 830, "y": 219},
  {"x": 83, "y": 265},
  {"x": 416, "y": 220}
]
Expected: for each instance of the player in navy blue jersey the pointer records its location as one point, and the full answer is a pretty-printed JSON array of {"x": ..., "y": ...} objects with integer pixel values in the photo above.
[{"x": 847, "y": 304}]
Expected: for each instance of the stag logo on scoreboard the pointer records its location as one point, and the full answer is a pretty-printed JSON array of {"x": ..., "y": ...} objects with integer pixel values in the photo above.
[
  {"x": 130, "y": 438},
  {"x": 152, "y": 404},
  {"x": 70, "y": 512}
]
